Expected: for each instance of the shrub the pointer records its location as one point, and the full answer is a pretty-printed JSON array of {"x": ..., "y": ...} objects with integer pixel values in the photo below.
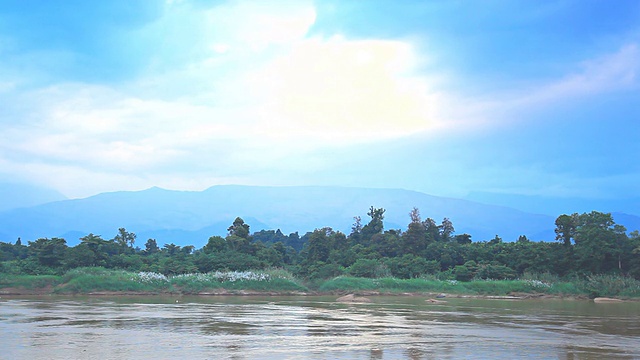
[
  {"x": 611, "y": 285},
  {"x": 411, "y": 266},
  {"x": 495, "y": 272},
  {"x": 462, "y": 273},
  {"x": 368, "y": 268}
]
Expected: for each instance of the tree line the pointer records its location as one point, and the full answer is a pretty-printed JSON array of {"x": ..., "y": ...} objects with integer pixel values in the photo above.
[{"x": 588, "y": 243}]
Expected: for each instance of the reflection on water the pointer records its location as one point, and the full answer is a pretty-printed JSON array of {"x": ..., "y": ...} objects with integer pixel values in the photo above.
[{"x": 315, "y": 328}]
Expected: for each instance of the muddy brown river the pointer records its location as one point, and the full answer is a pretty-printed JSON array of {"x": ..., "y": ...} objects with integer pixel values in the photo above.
[{"x": 314, "y": 328}]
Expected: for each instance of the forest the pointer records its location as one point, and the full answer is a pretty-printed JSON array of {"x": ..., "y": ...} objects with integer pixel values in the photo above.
[{"x": 585, "y": 244}]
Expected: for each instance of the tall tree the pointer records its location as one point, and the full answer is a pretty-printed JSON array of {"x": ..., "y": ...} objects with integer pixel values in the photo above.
[
  {"x": 566, "y": 228},
  {"x": 414, "y": 240},
  {"x": 598, "y": 241},
  {"x": 239, "y": 228},
  {"x": 215, "y": 244},
  {"x": 375, "y": 226},
  {"x": 100, "y": 247},
  {"x": 356, "y": 230},
  {"x": 49, "y": 252},
  {"x": 433, "y": 231},
  {"x": 151, "y": 247},
  {"x": 319, "y": 246},
  {"x": 415, "y": 215},
  {"x": 124, "y": 238},
  {"x": 446, "y": 230}
]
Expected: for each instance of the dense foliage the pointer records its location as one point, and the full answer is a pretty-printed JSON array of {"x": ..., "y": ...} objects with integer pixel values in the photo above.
[{"x": 587, "y": 244}]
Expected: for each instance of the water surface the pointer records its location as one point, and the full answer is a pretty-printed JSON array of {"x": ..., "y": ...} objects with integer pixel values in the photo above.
[{"x": 315, "y": 328}]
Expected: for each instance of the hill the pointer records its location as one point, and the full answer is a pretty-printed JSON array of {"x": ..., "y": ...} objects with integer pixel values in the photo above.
[
  {"x": 21, "y": 195},
  {"x": 190, "y": 217}
]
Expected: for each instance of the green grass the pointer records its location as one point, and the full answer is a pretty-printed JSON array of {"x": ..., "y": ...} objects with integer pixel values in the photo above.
[
  {"x": 86, "y": 280},
  {"x": 391, "y": 285},
  {"x": 96, "y": 279},
  {"x": 29, "y": 281},
  {"x": 610, "y": 285},
  {"x": 268, "y": 281},
  {"x": 476, "y": 287}
]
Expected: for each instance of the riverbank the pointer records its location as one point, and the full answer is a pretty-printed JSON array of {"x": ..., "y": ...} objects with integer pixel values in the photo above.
[
  {"x": 107, "y": 282},
  {"x": 21, "y": 292}
]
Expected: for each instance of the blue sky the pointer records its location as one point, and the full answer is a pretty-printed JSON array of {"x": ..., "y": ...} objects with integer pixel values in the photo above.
[{"x": 444, "y": 97}]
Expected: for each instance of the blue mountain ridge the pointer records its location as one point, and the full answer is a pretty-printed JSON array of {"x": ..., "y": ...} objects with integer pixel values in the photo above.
[
  {"x": 191, "y": 217},
  {"x": 13, "y": 195}
]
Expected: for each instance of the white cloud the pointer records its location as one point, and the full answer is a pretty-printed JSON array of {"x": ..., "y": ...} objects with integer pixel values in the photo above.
[
  {"x": 258, "y": 25},
  {"x": 344, "y": 90},
  {"x": 308, "y": 94},
  {"x": 617, "y": 71},
  {"x": 611, "y": 72},
  {"x": 241, "y": 89}
]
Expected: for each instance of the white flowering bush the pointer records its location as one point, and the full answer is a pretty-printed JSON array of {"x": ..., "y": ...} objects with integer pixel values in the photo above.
[
  {"x": 537, "y": 284},
  {"x": 150, "y": 277},
  {"x": 217, "y": 276},
  {"x": 234, "y": 276},
  {"x": 223, "y": 276}
]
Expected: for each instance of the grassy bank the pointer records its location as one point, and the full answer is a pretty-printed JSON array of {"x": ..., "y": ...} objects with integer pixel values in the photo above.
[
  {"x": 29, "y": 282},
  {"x": 477, "y": 287},
  {"x": 100, "y": 280},
  {"x": 592, "y": 286}
]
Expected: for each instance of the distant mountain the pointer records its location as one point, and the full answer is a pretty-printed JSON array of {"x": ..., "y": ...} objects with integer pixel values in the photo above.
[
  {"x": 631, "y": 222},
  {"x": 556, "y": 206},
  {"x": 190, "y": 217},
  {"x": 21, "y": 195}
]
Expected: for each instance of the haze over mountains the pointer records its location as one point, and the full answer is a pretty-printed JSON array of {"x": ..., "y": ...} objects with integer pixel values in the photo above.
[
  {"x": 13, "y": 195},
  {"x": 191, "y": 217},
  {"x": 554, "y": 206}
]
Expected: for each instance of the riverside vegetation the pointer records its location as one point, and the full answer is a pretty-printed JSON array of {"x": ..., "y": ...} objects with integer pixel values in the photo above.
[{"x": 592, "y": 257}]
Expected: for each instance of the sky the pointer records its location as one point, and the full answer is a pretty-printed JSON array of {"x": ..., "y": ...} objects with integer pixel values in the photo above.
[{"x": 535, "y": 98}]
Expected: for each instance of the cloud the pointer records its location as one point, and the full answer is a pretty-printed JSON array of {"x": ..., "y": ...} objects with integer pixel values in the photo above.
[
  {"x": 344, "y": 90},
  {"x": 249, "y": 93},
  {"x": 611, "y": 72},
  {"x": 605, "y": 74},
  {"x": 241, "y": 92}
]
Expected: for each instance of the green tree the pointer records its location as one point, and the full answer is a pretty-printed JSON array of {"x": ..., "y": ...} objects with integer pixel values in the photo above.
[
  {"x": 597, "y": 242},
  {"x": 462, "y": 273},
  {"x": 411, "y": 266},
  {"x": 171, "y": 249},
  {"x": 125, "y": 239},
  {"x": 356, "y": 230},
  {"x": 388, "y": 244},
  {"x": 433, "y": 230},
  {"x": 79, "y": 256},
  {"x": 566, "y": 228},
  {"x": 270, "y": 256},
  {"x": 375, "y": 226},
  {"x": 215, "y": 244},
  {"x": 414, "y": 240},
  {"x": 239, "y": 244},
  {"x": 319, "y": 245},
  {"x": 446, "y": 230},
  {"x": 463, "y": 239},
  {"x": 49, "y": 252},
  {"x": 151, "y": 247},
  {"x": 239, "y": 228},
  {"x": 102, "y": 249},
  {"x": 368, "y": 268},
  {"x": 634, "y": 254}
]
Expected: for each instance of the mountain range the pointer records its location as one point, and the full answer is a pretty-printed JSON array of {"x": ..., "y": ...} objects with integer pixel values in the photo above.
[
  {"x": 14, "y": 195},
  {"x": 191, "y": 217}
]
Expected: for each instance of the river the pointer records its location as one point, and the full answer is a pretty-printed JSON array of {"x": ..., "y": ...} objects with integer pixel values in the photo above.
[{"x": 253, "y": 327}]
